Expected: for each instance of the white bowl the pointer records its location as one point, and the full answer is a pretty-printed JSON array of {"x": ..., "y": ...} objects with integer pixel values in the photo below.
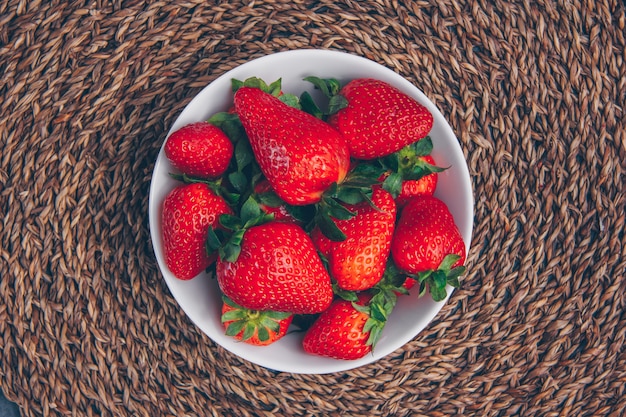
[{"x": 200, "y": 297}]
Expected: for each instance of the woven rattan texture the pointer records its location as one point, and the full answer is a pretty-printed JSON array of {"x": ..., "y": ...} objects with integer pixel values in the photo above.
[{"x": 535, "y": 92}]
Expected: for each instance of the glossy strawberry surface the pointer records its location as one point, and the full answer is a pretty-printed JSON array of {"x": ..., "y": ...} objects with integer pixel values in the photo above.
[
  {"x": 300, "y": 155},
  {"x": 358, "y": 262},
  {"x": 277, "y": 269},
  {"x": 379, "y": 119},
  {"x": 424, "y": 235},
  {"x": 199, "y": 149},
  {"x": 339, "y": 332},
  {"x": 187, "y": 213}
]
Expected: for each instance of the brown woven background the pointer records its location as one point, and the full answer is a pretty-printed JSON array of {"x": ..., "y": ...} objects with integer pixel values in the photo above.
[{"x": 535, "y": 92}]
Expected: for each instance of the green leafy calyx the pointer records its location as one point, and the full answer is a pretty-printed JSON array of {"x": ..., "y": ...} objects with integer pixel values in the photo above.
[
  {"x": 227, "y": 239},
  {"x": 336, "y": 201},
  {"x": 376, "y": 321},
  {"x": 251, "y": 322},
  {"x": 330, "y": 89},
  {"x": 407, "y": 164},
  {"x": 274, "y": 88},
  {"x": 436, "y": 281}
]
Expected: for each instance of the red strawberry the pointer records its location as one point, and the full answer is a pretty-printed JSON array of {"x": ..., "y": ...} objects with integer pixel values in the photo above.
[
  {"x": 425, "y": 234},
  {"x": 411, "y": 171},
  {"x": 300, "y": 155},
  {"x": 410, "y": 188},
  {"x": 346, "y": 330},
  {"x": 199, "y": 149},
  {"x": 358, "y": 262},
  {"x": 188, "y": 212},
  {"x": 259, "y": 328},
  {"x": 427, "y": 242},
  {"x": 425, "y": 185},
  {"x": 276, "y": 269},
  {"x": 409, "y": 283},
  {"x": 379, "y": 119},
  {"x": 323, "y": 244}
]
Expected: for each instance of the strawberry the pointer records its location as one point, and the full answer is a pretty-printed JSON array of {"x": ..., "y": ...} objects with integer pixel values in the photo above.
[
  {"x": 425, "y": 185},
  {"x": 411, "y": 171},
  {"x": 410, "y": 188},
  {"x": 199, "y": 149},
  {"x": 259, "y": 328},
  {"x": 276, "y": 267},
  {"x": 274, "y": 88},
  {"x": 379, "y": 119},
  {"x": 409, "y": 283},
  {"x": 346, "y": 330},
  {"x": 188, "y": 212},
  {"x": 358, "y": 262},
  {"x": 428, "y": 244},
  {"x": 300, "y": 155}
]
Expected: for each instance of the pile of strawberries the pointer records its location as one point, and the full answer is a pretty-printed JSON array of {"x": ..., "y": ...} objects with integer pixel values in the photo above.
[{"x": 321, "y": 215}]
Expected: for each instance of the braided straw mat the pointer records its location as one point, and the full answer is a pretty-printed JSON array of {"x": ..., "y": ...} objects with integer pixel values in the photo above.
[{"x": 535, "y": 92}]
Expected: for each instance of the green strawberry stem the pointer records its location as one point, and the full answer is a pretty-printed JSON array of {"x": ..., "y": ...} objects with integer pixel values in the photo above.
[
  {"x": 437, "y": 280},
  {"x": 275, "y": 89},
  {"x": 330, "y": 88},
  {"x": 382, "y": 302},
  {"x": 230, "y": 124},
  {"x": 355, "y": 188},
  {"x": 407, "y": 164},
  {"x": 226, "y": 241},
  {"x": 347, "y": 295},
  {"x": 376, "y": 322},
  {"x": 328, "y": 209},
  {"x": 243, "y": 166},
  {"x": 251, "y": 321},
  {"x": 303, "y": 214},
  {"x": 377, "y": 310},
  {"x": 386, "y": 290}
]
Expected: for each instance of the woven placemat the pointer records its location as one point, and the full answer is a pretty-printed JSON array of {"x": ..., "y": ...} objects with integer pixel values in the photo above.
[{"x": 535, "y": 92}]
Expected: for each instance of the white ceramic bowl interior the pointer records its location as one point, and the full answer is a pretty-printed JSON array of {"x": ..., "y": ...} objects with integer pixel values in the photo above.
[{"x": 200, "y": 297}]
